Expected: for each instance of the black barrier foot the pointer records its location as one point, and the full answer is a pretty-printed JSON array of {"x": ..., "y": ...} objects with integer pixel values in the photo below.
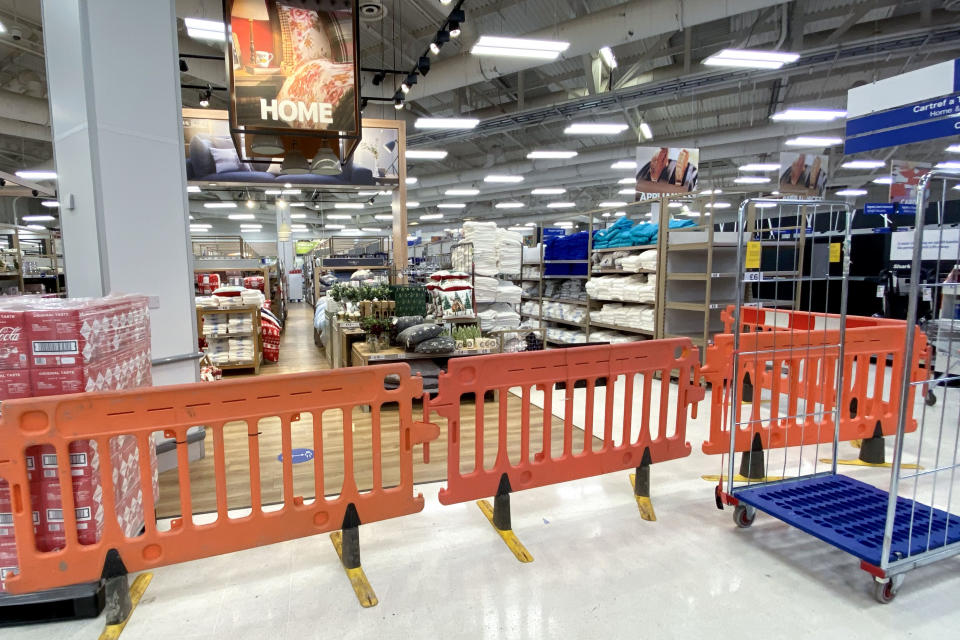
[
  {"x": 746, "y": 395},
  {"x": 120, "y": 599},
  {"x": 872, "y": 453},
  {"x": 640, "y": 481},
  {"x": 752, "y": 466},
  {"x": 347, "y": 543},
  {"x": 499, "y": 517}
]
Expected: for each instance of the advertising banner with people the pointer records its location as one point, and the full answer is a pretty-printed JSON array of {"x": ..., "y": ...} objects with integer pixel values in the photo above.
[
  {"x": 803, "y": 174},
  {"x": 665, "y": 170}
]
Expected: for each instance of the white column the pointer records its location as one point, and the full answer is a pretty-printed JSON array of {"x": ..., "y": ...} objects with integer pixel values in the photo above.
[
  {"x": 118, "y": 145},
  {"x": 285, "y": 252}
]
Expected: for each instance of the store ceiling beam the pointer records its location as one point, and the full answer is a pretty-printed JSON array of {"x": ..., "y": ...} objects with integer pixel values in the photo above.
[
  {"x": 617, "y": 25},
  {"x": 21, "y": 129}
]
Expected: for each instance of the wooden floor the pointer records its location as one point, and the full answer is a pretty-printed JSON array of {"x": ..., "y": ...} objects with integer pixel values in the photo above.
[{"x": 298, "y": 353}]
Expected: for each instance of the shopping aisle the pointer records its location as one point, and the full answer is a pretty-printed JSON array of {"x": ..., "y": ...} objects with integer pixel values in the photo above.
[{"x": 297, "y": 351}]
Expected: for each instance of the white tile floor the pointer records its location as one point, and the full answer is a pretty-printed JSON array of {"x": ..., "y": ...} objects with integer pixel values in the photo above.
[{"x": 599, "y": 571}]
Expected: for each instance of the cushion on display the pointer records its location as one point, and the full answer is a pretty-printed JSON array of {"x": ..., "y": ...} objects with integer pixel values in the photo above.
[
  {"x": 403, "y": 323},
  {"x": 441, "y": 344},
  {"x": 413, "y": 336},
  {"x": 225, "y": 160}
]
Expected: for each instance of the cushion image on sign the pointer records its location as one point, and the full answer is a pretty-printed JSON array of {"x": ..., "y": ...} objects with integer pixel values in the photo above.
[{"x": 319, "y": 81}]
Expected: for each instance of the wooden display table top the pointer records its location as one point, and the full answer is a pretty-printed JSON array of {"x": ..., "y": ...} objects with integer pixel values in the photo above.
[{"x": 362, "y": 355}]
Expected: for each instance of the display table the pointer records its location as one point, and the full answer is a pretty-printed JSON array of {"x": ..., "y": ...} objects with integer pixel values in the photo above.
[
  {"x": 342, "y": 335},
  {"x": 362, "y": 355}
]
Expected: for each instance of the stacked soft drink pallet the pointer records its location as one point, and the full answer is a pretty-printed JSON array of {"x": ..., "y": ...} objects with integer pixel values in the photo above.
[{"x": 52, "y": 346}]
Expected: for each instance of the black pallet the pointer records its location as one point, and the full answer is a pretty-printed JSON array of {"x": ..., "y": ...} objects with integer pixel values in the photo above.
[{"x": 63, "y": 603}]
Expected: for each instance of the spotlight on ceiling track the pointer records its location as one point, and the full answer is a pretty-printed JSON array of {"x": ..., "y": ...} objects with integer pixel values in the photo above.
[
  {"x": 205, "y": 96},
  {"x": 183, "y": 66},
  {"x": 398, "y": 101},
  {"x": 408, "y": 83},
  {"x": 378, "y": 78}
]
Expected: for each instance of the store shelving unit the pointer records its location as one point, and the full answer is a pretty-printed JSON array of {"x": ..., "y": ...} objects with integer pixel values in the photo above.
[
  {"x": 32, "y": 261},
  {"x": 254, "y": 333}
]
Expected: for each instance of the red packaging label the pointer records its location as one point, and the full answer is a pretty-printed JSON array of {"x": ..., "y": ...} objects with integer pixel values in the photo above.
[{"x": 15, "y": 383}]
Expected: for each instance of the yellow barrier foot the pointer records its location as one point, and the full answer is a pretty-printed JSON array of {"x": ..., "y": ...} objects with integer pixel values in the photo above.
[
  {"x": 856, "y": 462},
  {"x": 741, "y": 478},
  {"x": 113, "y": 631},
  {"x": 358, "y": 579},
  {"x": 856, "y": 443},
  {"x": 644, "y": 503},
  {"x": 508, "y": 536}
]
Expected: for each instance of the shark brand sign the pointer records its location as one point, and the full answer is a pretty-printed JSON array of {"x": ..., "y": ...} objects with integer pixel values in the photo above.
[{"x": 293, "y": 76}]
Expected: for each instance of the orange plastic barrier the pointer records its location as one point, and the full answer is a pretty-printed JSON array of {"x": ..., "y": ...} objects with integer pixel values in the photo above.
[
  {"x": 796, "y": 365},
  {"x": 59, "y": 420},
  {"x": 662, "y": 435},
  {"x": 757, "y": 319}
]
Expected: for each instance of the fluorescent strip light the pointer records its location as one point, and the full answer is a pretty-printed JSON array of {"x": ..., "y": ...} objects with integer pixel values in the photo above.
[
  {"x": 883, "y": 180},
  {"x": 461, "y": 192},
  {"x": 383, "y": 216},
  {"x": 760, "y": 166},
  {"x": 450, "y": 205},
  {"x": 241, "y": 216},
  {"x": 606, "y": 54},
  {"x": 627, "y": 181},
  {"x": 605, "y": 214},
  {"x": 334, "y": 226},
  {"x": 595, "y": 128},
  {"x": 294, "y": 204},
  {"x": 368, "y": 193},
  {"x": 509, "y": 205},
  {"x": 256, "y": 227},
  {"x": 851, "y": 192},
  {"x": 611, "y": 204},
  {"x": 36, "y": 227},
  {"x": 371, "y": 229},
  {"x": 38, "y": 218},
  {"x": 503, "y": 179},
  {"x": 220, "y": 205},
  {"x": 563, "y": 223},
  {"x": 530, "y": 224},
  {"x": 562, "y": 205},
  {"x": 412, "y": 204},
  {"x": 711, "y": 192},
  {"x": 425, "y": 154},
  {"x": 519, "y": 47},
  {"x": 205, "y": 29},
  {"x": 432, "y": 216},
  {"x": 751, "y": 58},
  {"x": 298, "y": 227},
  {"x": 446, "y": 123},
  {"x": 548, "y": 191},
  {"x": 673, "y": 204},
  {"x": 519, "y": 229},
  {"x": 809, "y": 115},
  {"x": 297, "y": 216},
  {"x": 37, "y": 175},
  {"x": 412, "y": 180},
  {"x": 348, "y": 205},
  {"x": 339, "y": 216},
  {"x": 620, "y": 214},
  {"x": 717, "y": 205},
  {"x": 291, "y": 192},
  {"x": 198, "y": 230},
  {"x": 646, "y": 131},
  {"x": 551, "y": 155},
  {"x": 954, "y": 148},
  {"x": 192, "y": 188},
  {"x": 751, "y": 180},
  {"x": 273, "y": 192},
  {"x": 50, "y": 204},
  {"x": 765, "y": 205},
  {"x": 863, "y": 164},
  {"x": 950, "y": 164},
  {"x": 624, "y": 164},
  {"x": 627, "y": 192},
  {"x": 808, "y": 141}
]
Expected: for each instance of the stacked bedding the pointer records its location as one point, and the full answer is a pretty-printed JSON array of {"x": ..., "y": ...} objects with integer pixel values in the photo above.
[
  {"x": 483, "y": 236},
  {"x": 635, "y": 288},
  {"x": 633, "y": 316},
  {"x": 647, "y": 260},
  {"x": 508, "y": 293},
  {"x": 509, "y": 251},
  {"x": 485, "y": 288}
]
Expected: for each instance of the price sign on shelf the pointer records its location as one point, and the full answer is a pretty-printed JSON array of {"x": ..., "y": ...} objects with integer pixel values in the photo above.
[
  {"x": 752, "y": 276},
  {"x": 753, "y": 255}
]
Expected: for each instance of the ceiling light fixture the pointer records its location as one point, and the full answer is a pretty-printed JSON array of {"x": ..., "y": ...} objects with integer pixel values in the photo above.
[
  {"x": 425, "y": 154},
  {"x": 760, "y": 166},
  {"x": 605, "y": 214},
  {"x": 38, "y": 218},
  {"x": 503, "y": 179},
  {"x": 273, "y": 192},
  {"x": 883, "y": 180},
  {"x": 949, "y": 165},
  {"x": 411, "y": 180},
  {"x": 432, "y": 216},
  {"x": 606, "y": 54},
  {"x": 442, "y": 38},
  {"x": 37, "y": 174},
  {"x": 251, "y": 204},
  {"x": 851, "y": 192},
  {"x": 627, "y": 181},
  {"x": 954, "y": 148},
  {"x": 192, "y": 188},
  {"x": 36, "y": 227},
  {"x": 348, "y": 205},
  {"x": 339, "y": 216},
  {"x": 646, "y": 131},
  {"x": 241, "y": 216},
  {"x": 451, "y": 205},
  {"x": 461, "y": 192},
  {"x": 808, "y": 115},
  {"x": 717, "y": 205},
  {"x": 751, "y": 180},
  {"x": 291, "y": 192},
  {"x": 627, "y": 192},
  {"x": 563, "y": 223},
  {"x": 611, "y": 204},
  {"x": 398, "y": 101},
  {"x": 297, "y": 216},
  {"x": 548, "y": 191},
  {"x": 551, "y": 155},
  {"x": 863, "y": 164},
  {"x": 561, "y": 205},
  {"x": 595, "y": 128},
  {"x": 371, "y": 229},
  {"x": 220, "y": 205},
  {"x": 509, "y": 205},
  {"x": 407, "y": 84},
  {"x": 446, "y": 123},
  {"x": 334, "y": 226},
  {"x": 624, "y": 164},
  {"x": 205, "y": 29},
  {"x": 519, "y": 47},
  {"x": 383, "y": 216},
  {"x": 751, "y": 58},
  {"x": 813, "y": 141},
  {"x": 205, "y": 96},
  {"x": 50, "y": 204}
]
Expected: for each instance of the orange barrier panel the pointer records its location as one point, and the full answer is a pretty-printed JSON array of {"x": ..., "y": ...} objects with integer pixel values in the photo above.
[
  {"x": 798, "y": 366},
  {"x": 59, "y": 420},
  {"x": 661, "y": 436},
  {"x": 759, "y": 319}
]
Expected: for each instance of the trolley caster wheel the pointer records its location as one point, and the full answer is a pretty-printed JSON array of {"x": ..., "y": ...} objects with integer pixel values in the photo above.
[
  {"x": 886, "y": 590},
  {"x": 931, "y": 398},
  {"x": 743, "y": 517}
]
